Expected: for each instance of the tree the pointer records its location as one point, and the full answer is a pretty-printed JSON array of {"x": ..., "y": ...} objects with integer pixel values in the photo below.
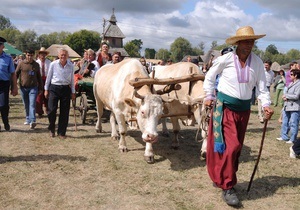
[
  {"x": 292, "y": 55},
  {"x": 11, "y": 35},
  {"x": 163, "y": 54},
  {"x": 150, "y": 53},
  {"x": 27, "y": 40},
  {"x": 83, "y": 39},
  {"x": 272, "y": 49},
  {"x": 138, "y": 43},
  {"x": 46, "y": 40},
  {"x": 214, "y": 44},
  {"x": 179, "y": 48},
  {"x": 199, "y": 50},
  {"x": 5, "y": 23},
  {"x": 132, "y": 49}
]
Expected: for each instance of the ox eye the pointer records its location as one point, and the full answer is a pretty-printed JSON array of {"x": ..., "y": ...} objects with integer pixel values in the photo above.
[{"x": 143, "y": 113}]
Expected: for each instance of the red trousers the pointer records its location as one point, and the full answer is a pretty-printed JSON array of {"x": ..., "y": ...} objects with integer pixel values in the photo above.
[
  {"x": 41, "y": 100},
  {"x": 222, "y": 168}
]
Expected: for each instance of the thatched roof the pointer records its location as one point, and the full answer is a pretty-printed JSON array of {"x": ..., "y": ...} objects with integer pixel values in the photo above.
[
  {"x": 53, "y": 50},
  {"x": 207, "y": 56}
]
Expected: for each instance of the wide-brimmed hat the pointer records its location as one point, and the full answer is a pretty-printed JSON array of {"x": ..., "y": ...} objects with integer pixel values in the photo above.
[
  {"x": 43, "y": 50},
  {"x": 243, "y": 33}
]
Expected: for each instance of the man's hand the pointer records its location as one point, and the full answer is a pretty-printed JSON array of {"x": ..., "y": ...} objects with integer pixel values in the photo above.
[
  {"x": 14, "y": 91},
  {"x": 73, "y": 96},
  {"x": 208, "y": 103},
  {"x": 268, "y": 112},
  {"x": 46, "y": 94}
]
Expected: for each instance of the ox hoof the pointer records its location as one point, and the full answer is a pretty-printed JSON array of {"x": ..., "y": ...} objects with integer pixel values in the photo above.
[
  {"x": 123, "y": 150},
  {"x": 114, "y": 138},
  {"x": 149, "y": 159},
  {"x": 203, "y": 155}
]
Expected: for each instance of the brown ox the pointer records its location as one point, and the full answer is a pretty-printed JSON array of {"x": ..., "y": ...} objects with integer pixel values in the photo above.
[
  {"x": 113, "y": 92},
  {"x": 186, "y": 100}
]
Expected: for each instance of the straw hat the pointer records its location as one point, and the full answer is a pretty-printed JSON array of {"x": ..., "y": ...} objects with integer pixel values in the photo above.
[
  {"x": 43, "y": 50},
  {"x": 243, "y": 33}
]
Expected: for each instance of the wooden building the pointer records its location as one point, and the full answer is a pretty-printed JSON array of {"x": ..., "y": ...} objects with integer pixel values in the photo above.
[{"x": 113, "y": 34}]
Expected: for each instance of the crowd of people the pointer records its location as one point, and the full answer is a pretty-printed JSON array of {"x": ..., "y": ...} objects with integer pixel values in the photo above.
[
  {"x": 237, "y": 72},
  {"x": 47, "y": 85}
]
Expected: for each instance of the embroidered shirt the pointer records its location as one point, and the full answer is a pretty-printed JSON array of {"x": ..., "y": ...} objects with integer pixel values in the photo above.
[{"x": 236, "y": 81}]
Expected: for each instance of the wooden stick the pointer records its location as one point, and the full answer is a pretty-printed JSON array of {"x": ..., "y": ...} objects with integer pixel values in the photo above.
[
  {"x": 259, "y": 154},
  {"x": 138, "y": 82}
]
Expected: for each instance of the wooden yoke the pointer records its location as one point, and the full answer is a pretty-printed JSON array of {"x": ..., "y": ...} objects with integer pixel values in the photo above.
[{"x": 138, "y": 82}]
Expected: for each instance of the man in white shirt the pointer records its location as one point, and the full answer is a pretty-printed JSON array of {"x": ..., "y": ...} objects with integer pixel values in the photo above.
[
  {"x": 240, "y": 71},
  {"x": 60, "y": 87},
  {"x": 269, "y": 80},
  {"x": 269, "y": 74}
]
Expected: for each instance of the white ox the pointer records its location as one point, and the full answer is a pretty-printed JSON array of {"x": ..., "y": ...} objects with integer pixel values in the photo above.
[
  {"x": 188, "y": 99},
  {"x": 112, "y": 91}
]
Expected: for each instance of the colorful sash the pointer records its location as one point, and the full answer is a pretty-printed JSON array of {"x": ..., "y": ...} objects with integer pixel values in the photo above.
[{"x": 233, "y": 104}]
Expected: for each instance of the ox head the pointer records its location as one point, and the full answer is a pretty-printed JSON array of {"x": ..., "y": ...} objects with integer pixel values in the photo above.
[{"x": 149, "y": 111}]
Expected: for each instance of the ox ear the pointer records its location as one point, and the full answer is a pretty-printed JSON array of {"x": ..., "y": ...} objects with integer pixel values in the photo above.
[{"x": 130, "y": 102}]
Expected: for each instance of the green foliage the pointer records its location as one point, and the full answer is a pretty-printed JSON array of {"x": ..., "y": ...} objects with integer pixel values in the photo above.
[
  {"x": 180, "y": 48},
  {"x": 293, "y": 54},
  {"x": 83, "y": 39},
  {"x": 272, "y": 49},
  {"x": 163, "y": 54},
  {"x": 5, "y": 23},
  {"x": 46, "y": 40},
  {"x": 27, "y": 40},
  {"x": 11, "y": 35},
  {"x": 138, "y": 43},
  {"x": 133, "y": 48},
  {"x": 150, "y": 53},
  {"x": 214, "y": 44}
]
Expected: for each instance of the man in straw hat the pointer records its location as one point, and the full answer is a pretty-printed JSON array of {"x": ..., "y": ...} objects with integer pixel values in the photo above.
[
  {"x": 240, "y": 71},
  {"x": 7, "y": 75},
  {"x": 44, "y": 66}
]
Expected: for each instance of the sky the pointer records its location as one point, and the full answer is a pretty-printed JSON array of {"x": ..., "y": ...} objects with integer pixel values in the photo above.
[{"x": 159, "y": 22}]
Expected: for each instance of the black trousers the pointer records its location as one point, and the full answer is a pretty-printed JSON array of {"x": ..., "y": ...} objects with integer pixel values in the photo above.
[
  {"x": 4, "y": 100},
  {"x": 61, "y": 94},
  {"x": 296, "y": 147}
]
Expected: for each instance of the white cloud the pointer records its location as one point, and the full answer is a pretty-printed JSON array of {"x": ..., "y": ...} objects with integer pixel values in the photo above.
[{"x": 158, "y": 23}]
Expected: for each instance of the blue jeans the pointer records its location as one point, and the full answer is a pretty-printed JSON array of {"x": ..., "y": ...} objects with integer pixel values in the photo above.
[
  {"x": 29, "y": 100},
  {"x": 290, "y": 123}
]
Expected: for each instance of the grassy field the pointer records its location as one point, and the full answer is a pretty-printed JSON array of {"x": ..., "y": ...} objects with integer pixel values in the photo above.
[{"x": 86, "y": 170}]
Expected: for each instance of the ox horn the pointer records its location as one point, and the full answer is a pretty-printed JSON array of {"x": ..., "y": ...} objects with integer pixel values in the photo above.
[{"x": 138, "y": 95}]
